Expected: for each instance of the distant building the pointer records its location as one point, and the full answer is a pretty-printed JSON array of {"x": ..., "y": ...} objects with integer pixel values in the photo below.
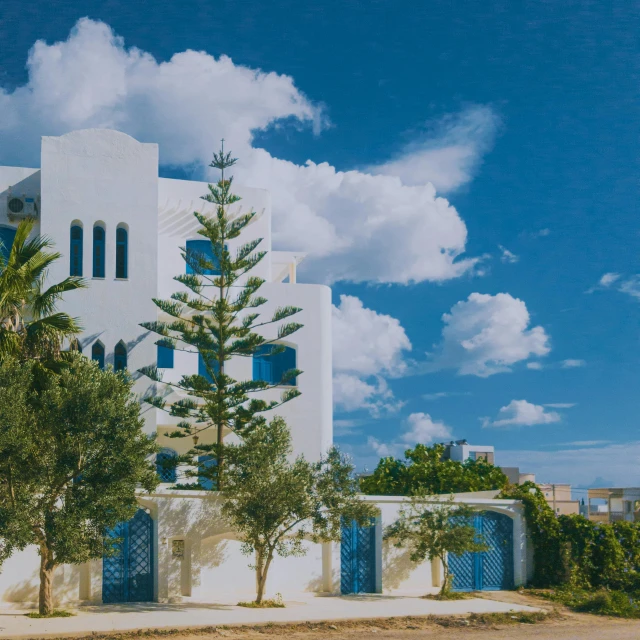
[
  {"x": 614, "y": 504},
  {"x": 558, "y": 497},
  {"x": 461, "y": 450}
]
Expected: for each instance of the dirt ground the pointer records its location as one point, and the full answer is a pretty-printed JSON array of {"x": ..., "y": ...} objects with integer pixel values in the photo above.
[{"x": 557, "y": 624}]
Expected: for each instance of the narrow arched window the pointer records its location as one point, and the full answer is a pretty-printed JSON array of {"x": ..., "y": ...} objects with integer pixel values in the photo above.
[
  {"x": 166, "y": 465},
  {"x": 97, "y": 353},
  {"x": 120, "y": 357},
  {"x": 272, "y": 362},
  {"x": 122, "y": 253},
  {"x": 75, "y": 252},
  {"x": 98, "y": 252}
]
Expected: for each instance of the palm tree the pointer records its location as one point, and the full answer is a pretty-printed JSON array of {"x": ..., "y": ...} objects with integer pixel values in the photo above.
[{"x": 30, "y": 326}]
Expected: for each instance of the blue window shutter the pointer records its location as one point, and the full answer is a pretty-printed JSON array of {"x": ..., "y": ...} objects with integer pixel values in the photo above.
[
  {"x": 205, "y": 250},
  {"x": 288, "y": 363},
  {"x": 165, "y": 357},
  {"x": 97, "y": 354},
  {"x": 202, "y": 369},
  {"x": 122, "y": 253},
  {"x": 120, "y": 357},
  {"x": 7, "y": 234},
  {"x": 164, "y": 468},
  {"x": 75, "y": 253},
  {"x": 98, "y": 252},
  {"x": 206, "y": 462}
]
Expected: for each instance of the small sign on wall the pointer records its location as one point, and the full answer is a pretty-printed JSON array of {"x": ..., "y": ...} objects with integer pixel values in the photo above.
[{"x": 177, "y": 548}]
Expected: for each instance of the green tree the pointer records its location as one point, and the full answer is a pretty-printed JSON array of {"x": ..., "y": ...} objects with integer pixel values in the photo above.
[
  {"x": 424, "y": 471},
  {"x": 432, "y": 528},
  {"x": 30, "y": 326},
  {"x": 275, "y": 504},
  {"x": 71, "y": 458},
  {"x": 215, "y": 315}
]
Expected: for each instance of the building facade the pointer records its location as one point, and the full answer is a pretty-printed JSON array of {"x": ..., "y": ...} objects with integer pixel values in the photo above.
[{"x": 98, "y": 196}]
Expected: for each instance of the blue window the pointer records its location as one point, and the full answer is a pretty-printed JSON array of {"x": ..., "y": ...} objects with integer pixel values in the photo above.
[
  {"x": 120, "y": 357},
  {"x": 98, "y": 252},
  {"x": 205, "y": 462},
  {"x": 165, "y": 357},
  {"x": 122, "y": 253},
  {"x": 7, "y": 234},
  {"x": 271, "y": 368},
  {"x": 75, "y": 253},
  {"x": 97, "y": 353},
  {"x": 202, "y": 248},
  {"x": 202, "y": 369},
  {"x": 166, "y": 465}
]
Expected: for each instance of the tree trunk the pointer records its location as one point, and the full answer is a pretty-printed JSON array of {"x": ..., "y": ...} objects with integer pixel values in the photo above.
[
  {"x": 446, "y": 578},
  {"x": 220, "y": 457},
  {"x": 262, "y": 569},
  {"x": 47, "y": 566}
]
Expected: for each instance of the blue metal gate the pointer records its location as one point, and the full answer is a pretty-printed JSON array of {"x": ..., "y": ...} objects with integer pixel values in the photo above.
[
  {"x": 127, "y": 576},
  {"x": 358, "y": 558},
  {"x": 490, "y": 570}
]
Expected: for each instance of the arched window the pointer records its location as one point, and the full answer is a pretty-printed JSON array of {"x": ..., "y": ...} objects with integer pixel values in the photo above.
[
  {"x": 97, "y": 353},
  {"x": 166, "y": 465},
  {"x": 98, "y": 252},
  {"x": 120, "y": 357},
  {"x": 271, "y": 368},
  {"x": 75, "y": 252},
  {"x": 201, "y": 249},
  {"x": 205, "y": 463},
  {"x": 122, "y": 253},
  {"x": 7, "y": 234}
]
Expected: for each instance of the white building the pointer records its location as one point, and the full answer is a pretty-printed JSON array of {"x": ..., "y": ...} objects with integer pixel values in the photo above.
[{"x": 98, "y": 196}]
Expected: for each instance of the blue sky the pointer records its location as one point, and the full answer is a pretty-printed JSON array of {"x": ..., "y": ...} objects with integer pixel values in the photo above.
[{"x": 523, "y": 117}]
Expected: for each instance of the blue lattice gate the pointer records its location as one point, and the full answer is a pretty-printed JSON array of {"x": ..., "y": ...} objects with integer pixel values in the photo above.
[
  {"x": 359, "y": 558},
  {"x": 127, "y": 576},
  {"x": 490, "y": 570}
]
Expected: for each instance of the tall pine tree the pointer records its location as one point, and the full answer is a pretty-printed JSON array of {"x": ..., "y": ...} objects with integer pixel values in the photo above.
[{"x": 216, "y": 316}]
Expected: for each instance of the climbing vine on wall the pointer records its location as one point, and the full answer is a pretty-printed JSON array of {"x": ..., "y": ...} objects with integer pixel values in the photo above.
[{"x": 572, "y": 549}]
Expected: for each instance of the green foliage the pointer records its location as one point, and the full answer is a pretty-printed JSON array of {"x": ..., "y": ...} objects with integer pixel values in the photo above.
[
  {"x": 30, "y": 326},
  {"x": 72, "y": 454},
  {"x": 604, "y": 602},
  {"x": 432, "y": 528},
  {"x": 56, "y": 613},
  {"x": 574, "y": 552},
  {"x": 275, "y": 504},
  {"x": 214, "y": 315},
  {"x": 423, "y": 471}
]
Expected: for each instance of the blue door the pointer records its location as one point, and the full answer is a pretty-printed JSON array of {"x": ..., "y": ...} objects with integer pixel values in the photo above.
[
  {"x": 358, "y": 558},
  {"x": 127, "y": 576},
  {"x": 490, "y": 570}
]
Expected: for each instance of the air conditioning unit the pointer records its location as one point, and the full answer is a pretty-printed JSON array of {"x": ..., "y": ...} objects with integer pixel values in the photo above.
[{"x": 22, "y": 206}]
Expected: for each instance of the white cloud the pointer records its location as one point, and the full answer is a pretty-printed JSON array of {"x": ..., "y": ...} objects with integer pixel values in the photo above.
[
  {"x": 487, "y": 334},
  {"x": 366, "y": 342},
  {"x": 625, "y": 284},
  {"x": 354, "y": 225},
  {"x": 507, "y": 256},
  {"x": 608, "y": 279},
  {"x": 420, "y": 429},
  {"x": 424, "y": 430},
  {"x": 521, "y": 413},
  {"x": 451, "y": 152},
  {"x": 367, "y": 346},
  {"x": 579, "y": 465},
  {"x": 572, "y": 364},
  {"x": 444, "y": 394},
  {"x": 560, "y": 405},
  {"x": 536, "y": 366}
]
